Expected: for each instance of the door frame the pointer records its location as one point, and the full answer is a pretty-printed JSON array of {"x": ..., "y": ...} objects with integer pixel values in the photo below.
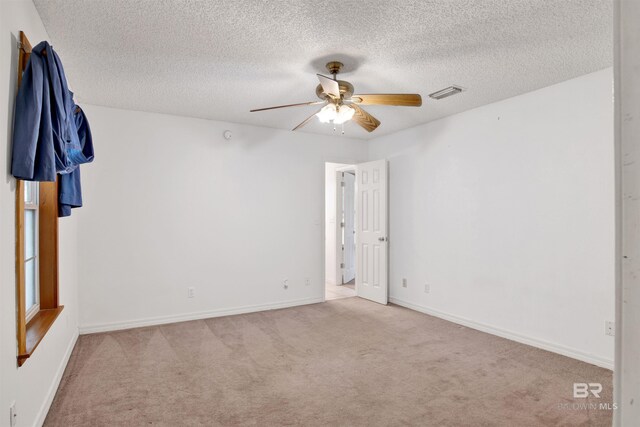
[
  {"x": 339, "y": 210},
  {"x": 323, "y": 223}
]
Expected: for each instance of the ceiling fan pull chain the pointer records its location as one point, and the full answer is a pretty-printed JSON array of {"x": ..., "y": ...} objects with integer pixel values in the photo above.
[{"x": 343, "y": 128}]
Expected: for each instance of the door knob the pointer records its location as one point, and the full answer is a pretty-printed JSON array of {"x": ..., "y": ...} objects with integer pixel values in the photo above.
[{"x": 382, "y": 239}]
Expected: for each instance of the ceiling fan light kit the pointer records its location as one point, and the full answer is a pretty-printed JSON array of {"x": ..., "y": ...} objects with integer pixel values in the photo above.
[
  {"x": 340, "y": 105},
  {"x": 337, "y": 115}
]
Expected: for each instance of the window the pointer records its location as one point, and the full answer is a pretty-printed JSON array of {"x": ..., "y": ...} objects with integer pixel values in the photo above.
[
  {"x": 36, "y": 263},
  {"x": 31, "y": 237}
]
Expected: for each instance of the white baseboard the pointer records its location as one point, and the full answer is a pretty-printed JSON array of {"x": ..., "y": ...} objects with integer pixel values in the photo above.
[
  {"x": 161, "y": 320},
  {"x": 534, "y": 342},
  {"x": 53, "y": 388}
]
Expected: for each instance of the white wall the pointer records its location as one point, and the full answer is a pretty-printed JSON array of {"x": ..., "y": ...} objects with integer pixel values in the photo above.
[
  {"x": 170, "y": 204},
  {"x": 33, "y": 385},
  {"x": 507, "y": 212}
]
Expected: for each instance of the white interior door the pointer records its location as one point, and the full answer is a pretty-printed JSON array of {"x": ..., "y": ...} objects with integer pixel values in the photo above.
[
  {"x": 371, "y": 231},
  {"x": 348, "y": 231}
]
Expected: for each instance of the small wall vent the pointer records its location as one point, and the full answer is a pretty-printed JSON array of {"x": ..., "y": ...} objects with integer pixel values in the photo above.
[{"x": 446, "y": 92}]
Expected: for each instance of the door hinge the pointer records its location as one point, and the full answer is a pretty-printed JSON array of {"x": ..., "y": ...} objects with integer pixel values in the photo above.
[
  {"x": 342, "y": 224},
  {"x": 342, "y": 184},
  {"x": 342, "y": 265}
]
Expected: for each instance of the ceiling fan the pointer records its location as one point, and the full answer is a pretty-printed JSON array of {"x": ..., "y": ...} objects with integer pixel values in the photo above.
[{"x": 339, "y": 104}]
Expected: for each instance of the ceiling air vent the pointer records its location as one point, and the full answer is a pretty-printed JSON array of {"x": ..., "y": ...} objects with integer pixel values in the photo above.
[{"x": 446, "y": 92}]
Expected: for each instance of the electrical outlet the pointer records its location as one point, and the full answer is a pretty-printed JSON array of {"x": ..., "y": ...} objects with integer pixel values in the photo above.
[
  {"x": 13, "y": 415},
  {"x": 285, "y": 283},
  {"x": 307, "y": 282},
  {"x": 404, "y": 282},
  {"x": 427, "y": 288},
  {"x": 191, "y": 292},
  {"x": 610, "y": 328}
]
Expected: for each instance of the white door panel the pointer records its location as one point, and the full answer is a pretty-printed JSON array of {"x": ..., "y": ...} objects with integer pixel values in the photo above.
[{"x": 371, "y": 231}]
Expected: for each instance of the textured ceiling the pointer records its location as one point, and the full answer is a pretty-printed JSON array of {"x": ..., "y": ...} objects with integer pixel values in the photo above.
[{"x": 218, "y": 59}]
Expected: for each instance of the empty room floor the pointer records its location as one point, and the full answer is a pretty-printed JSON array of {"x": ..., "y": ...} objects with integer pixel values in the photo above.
[
  {"x": 340, "y": 291},
  {"x": 343, "y": 362}
]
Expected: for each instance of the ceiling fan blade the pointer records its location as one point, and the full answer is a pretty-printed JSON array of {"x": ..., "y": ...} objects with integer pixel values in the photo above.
[
  {"x": 307, "y": 120},
  {"x": 329, "y": 86},
  {"x": 402, "y": 99},
  {"x": 288, "y": 105},
  {"x": 364, "y": 119}
]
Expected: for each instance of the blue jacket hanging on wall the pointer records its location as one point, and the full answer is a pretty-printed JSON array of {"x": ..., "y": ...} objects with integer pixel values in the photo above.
[{"x": 51, "y": 134}]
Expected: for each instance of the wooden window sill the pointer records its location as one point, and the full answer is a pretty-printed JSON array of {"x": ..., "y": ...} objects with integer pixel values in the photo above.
[{"x": 36, "y": 330}]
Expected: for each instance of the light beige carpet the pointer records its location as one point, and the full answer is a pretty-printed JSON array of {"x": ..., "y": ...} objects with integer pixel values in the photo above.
[{"x": 347, "y": 362}]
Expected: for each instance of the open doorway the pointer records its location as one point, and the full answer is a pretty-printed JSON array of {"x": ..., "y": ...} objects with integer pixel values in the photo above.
[
  {"x": 356, "y": 226},
  {"x": 340, "y": 233}
]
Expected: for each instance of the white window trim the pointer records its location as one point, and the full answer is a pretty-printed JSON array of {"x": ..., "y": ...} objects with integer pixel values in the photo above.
[
  {"x": 35, "y": 308},
  {"x": 34, "y": 206}
]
